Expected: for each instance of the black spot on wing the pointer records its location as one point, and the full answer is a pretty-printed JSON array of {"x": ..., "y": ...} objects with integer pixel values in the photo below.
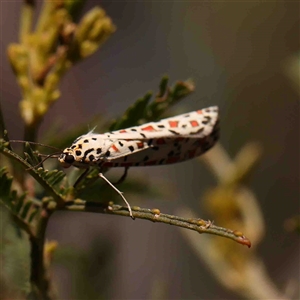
[
  {"x": 150, "y": 142},
  {"x": 199, "y": 131},
  {"x": 121, "y": 144},
  {"x": 86, "y": 154},
  {"x": 95, "y": 139},
  {"x": 174, "y": 132},
  {"x": 99, "y": 150},
  {"x": 142, "y": 135},
  {"x": 91, "y": 157},
  {"x": 78, "y": 152},
  {"x": 88, "y": 151},
  {"x": 161, "y": 126},
  {"x": 86, "y": 141},
  {"x": 131, "y": 148},
  {"x": 206, "y": 120}
]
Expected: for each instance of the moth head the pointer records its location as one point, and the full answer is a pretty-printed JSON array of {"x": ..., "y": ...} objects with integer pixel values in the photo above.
[
  {"x": 81, "y": 153},
  {"x": 66, "y": 158},
  {"x": 72, "y": 157}
]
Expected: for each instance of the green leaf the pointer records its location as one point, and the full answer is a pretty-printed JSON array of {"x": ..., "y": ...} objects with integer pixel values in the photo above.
[
  {"x": 168, "y": 97},
  {"x": 31, "y": 155},
  {"x": 18, "y": 206},
  {"x": 40, "y": 175},
  {"x": 25, "y": 210},
  {"x": 141, "y": 111},
  {"x": 163, "y": 86}
]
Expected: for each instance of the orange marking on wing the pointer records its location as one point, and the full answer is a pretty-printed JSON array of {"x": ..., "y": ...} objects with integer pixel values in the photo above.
[
  {"x": 115, "y": 148},
  {"x": 194, "y": 123},
  {"x": 199, "y": 112},
  {"x": 148, "y": 128},
  {"x": 123, "y": 131},
  {"x": 173, "y": 124},
  {"x": 140, "y": 145}
]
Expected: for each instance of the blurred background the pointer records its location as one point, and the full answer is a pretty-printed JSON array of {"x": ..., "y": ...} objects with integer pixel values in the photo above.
[{"x": 244, "y": 57}]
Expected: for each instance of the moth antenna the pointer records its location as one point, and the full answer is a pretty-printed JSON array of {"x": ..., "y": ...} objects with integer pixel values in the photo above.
[
  {"x": 92, "y": 130},
  {"x": 44, "y": 159},
  {"x": 35, "y": 143},
  {"x": 56, "y": 154}
]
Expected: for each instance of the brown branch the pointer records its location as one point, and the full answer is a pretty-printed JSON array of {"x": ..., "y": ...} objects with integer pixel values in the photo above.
[{"x": 154, "y": 215}]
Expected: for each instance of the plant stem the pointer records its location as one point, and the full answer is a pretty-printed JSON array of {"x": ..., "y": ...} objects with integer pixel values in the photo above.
[
  {"x": 2, "y": 124},
  {"x": 30, "y": 132},
  {"x": 39, "y": 275}
]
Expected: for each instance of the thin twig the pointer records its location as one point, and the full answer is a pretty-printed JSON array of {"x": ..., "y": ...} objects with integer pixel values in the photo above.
[{"x": 154, "y": 215}]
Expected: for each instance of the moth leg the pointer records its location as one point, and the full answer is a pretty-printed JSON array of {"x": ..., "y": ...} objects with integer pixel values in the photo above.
[
  {"x": 119, "y": 192},
  {"x": 123, "y": 177},
  {"x": 81, "y": 177}
]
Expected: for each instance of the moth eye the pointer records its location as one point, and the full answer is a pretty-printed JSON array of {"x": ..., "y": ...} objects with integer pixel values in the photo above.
[{"x": 69, "y": 159}]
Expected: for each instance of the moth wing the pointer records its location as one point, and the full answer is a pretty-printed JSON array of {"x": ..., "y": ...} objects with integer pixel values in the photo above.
[
  {"x": 168, "y": 153},
  {"x": 167, "y": 141},
  {"x": 196, "y": 124}
]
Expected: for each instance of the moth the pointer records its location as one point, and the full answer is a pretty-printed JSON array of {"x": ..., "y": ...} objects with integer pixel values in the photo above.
[{"x": 167, "y": 141}]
